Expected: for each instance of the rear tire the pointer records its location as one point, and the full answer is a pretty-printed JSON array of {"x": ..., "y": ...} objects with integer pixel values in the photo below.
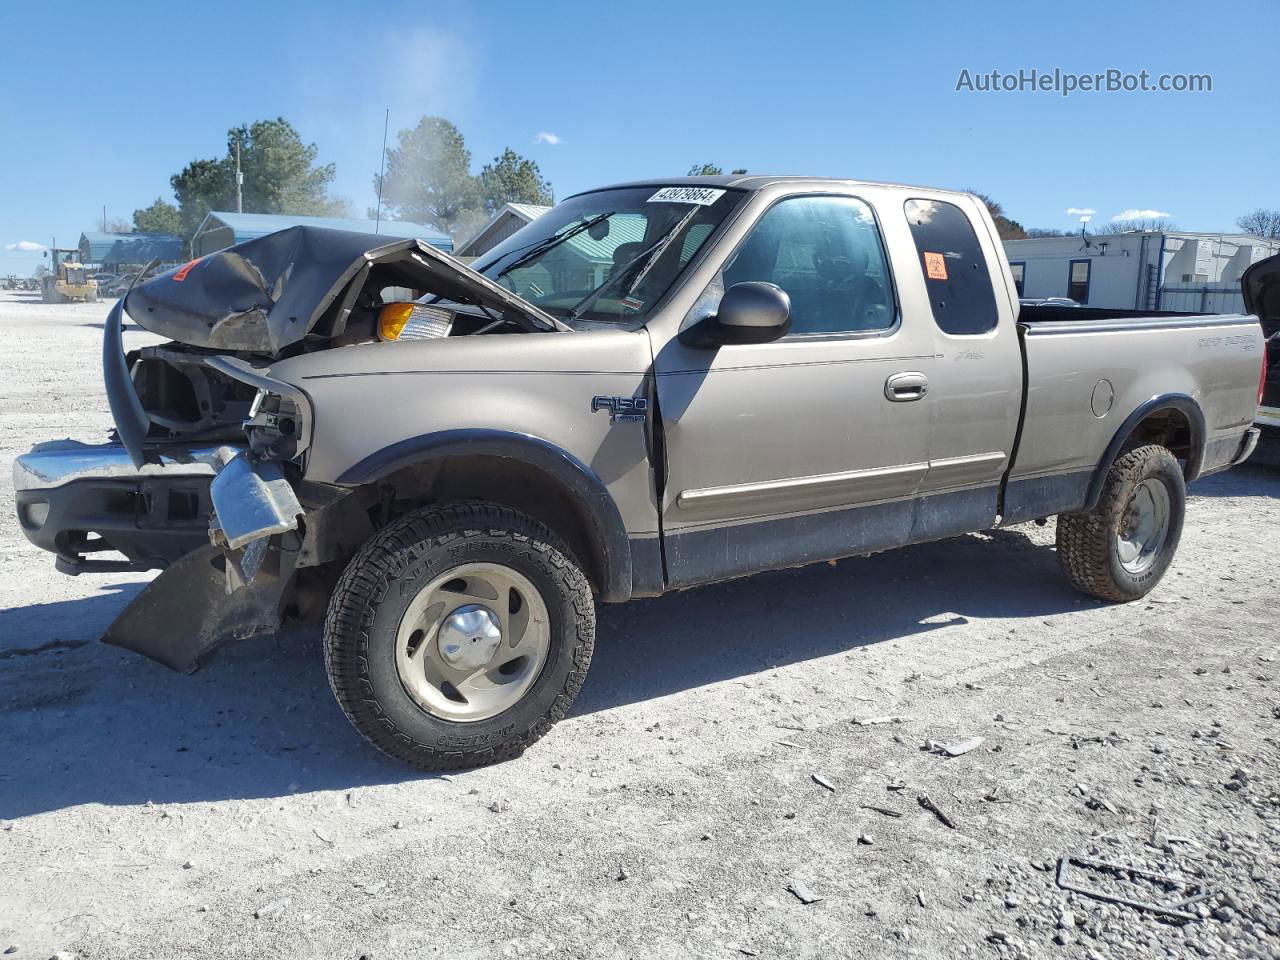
[
  {"x": 458, "y": 635},
  {"x": 1121, "y": 548}
]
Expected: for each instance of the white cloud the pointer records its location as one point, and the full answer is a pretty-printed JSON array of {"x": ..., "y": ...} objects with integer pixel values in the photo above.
[
  {"x": 547, "y": 137},
  {"x": 1080, "y": 211},
  {"x": 1135, "y": 214},
  {"x": 26, "y": 246}
]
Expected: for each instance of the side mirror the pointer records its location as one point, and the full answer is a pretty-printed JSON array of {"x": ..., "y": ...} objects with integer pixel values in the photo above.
[{"x": 750, "y": 312}]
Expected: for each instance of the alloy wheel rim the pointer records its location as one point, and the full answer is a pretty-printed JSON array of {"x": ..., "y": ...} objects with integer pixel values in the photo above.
[
  {"x": 1144, "y": 528},
  {"x": 472, "y": 642}
]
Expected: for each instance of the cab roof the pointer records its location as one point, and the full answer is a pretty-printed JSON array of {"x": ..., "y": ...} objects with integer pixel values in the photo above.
[{"x": 758, "y": 181}]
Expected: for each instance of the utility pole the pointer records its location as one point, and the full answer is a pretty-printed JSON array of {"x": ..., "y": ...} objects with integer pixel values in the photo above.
[
  {"x": 239, "y": 178},
  {"x": 104, "y": 218},
  {"x": 382, "y": 169}
]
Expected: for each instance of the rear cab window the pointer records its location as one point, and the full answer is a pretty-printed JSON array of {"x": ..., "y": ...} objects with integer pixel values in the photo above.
[{"x": 954, "y": 267}]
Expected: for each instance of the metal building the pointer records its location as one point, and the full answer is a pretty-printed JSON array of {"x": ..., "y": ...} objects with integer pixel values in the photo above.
[
  {"x": 1174, "y": 270},
  {"x": 222, "y": 229},
  {"x": 117, "y": 251},
  {"x": 505, "y": 222}
]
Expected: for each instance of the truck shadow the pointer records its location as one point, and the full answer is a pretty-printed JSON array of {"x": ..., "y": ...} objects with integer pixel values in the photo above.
[
  {"x": 1251, "y": 479},
  {"x": 86, "y": 723}
]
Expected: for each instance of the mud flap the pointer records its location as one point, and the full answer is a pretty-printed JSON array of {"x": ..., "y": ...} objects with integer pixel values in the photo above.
[{"x": 201, "y": 602}]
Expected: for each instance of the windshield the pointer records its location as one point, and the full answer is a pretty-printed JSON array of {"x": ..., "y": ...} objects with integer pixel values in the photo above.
[{"x": 610, "y": 255}]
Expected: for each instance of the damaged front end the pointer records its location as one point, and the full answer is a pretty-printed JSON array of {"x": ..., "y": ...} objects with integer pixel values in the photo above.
[{"x": 206, "y": 478}]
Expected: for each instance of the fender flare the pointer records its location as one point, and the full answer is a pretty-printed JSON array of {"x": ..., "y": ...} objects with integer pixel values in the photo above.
[
  {"x": 607, "y": 533},
  {"x": 1167, "y": 401}
]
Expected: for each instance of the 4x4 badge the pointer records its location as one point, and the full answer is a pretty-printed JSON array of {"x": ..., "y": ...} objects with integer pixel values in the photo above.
[{"x": 622, "y": 409}]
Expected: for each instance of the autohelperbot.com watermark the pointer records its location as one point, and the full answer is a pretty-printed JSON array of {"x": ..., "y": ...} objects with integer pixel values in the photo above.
[{"x": 1066, "y": 82}]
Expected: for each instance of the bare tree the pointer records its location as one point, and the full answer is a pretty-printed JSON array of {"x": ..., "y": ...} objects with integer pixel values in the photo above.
[
  {"x": 1139, "y": 226},
  {"x": 1261, "y": 223},
  {"x": 1007, "y": 229}
]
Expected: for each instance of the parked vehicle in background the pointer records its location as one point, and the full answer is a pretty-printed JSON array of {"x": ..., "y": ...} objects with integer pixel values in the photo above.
[
  {"x": 653, "y": 386},
  {"x": 67, "y": 279},
  {"x": 1261, "y": 285}
]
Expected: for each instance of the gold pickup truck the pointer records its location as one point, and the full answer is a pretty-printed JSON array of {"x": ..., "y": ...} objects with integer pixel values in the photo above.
[{"x": 654, "y": 386}]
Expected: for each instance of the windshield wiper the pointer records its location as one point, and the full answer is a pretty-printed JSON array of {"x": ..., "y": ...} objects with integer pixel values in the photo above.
[
  {"x": 653, "y": 252},
  {"x": 546, "y": 244}
]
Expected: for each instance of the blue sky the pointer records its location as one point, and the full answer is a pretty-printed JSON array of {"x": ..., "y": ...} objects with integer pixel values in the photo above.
[{"x": 105, "y": 108}]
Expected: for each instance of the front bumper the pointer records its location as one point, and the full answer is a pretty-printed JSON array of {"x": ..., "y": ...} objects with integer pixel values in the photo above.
[{"x": 76, "y": 499}]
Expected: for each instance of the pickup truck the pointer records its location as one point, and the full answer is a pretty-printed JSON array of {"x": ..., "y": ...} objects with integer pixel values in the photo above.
[{"x": 654, "y": 386}]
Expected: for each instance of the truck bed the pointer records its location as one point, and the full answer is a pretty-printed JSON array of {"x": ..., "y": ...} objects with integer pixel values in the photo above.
[{"x": 1088, "y": 369}]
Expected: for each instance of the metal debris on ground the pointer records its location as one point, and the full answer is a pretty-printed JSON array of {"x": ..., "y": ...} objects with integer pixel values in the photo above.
[
  {"x": 271, "y": 909},
  {"x": 801, "y": 892},
  {"x": 887, "y": 811},
  {"x": 895, "y": 785},
  {"x": 963, "y": 747},
  {"x": 873, "y": 721},
  {"x": 1195, "y": 892},
  {"x": 933, "y": 808},
  {"x": 822, "y": 781}
]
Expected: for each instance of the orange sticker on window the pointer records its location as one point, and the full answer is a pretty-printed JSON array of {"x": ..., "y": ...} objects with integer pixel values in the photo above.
[
  {"x": 935, "y": 265},
  {"x": 185, "y": 269}
]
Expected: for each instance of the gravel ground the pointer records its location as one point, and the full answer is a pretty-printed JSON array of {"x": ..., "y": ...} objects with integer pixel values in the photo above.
[{"x": 713, "y": 760}]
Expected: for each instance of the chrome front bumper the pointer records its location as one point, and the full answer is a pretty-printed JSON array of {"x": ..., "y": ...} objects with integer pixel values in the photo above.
[
  {"x": 76, "y": 499},
  {"x": 47, "y": 466}
]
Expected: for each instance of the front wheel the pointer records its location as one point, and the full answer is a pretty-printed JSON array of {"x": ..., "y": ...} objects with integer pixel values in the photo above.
[
  {"x": 458, "y": 635},
  {"x": 1121, "y": 548}
]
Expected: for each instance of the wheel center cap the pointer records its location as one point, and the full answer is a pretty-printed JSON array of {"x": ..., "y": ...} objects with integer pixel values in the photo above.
[{"x": 469, "y": 637}]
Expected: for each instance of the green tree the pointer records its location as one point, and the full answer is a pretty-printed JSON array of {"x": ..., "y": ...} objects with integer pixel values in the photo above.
[
  {"x": 160, "y": 217},
  {"x": 280, "y": 176},
  {"x": 201, "y": 186},
  {"x": 280, "y": 172},
  {"x": 512, "y": 178},
  {"x": 428, "y": 177},
  {"x": 705, "y": 170}
]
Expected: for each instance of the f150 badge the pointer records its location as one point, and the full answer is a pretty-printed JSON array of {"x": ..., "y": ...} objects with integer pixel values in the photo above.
[{"x": 622, "y": 409}]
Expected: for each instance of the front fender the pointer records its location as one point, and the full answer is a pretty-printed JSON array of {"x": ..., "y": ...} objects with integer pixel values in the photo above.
[{"x": 579, "y": 481}]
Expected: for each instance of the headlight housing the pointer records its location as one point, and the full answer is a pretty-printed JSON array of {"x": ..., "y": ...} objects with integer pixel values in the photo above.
[{"x": 413, "y": 321}]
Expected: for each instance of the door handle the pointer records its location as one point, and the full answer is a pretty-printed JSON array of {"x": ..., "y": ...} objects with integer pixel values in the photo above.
[{"x": 902, "y": 387}]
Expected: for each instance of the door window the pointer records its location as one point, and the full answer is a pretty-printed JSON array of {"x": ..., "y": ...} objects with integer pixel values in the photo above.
[{"x": 826, "y": 253}]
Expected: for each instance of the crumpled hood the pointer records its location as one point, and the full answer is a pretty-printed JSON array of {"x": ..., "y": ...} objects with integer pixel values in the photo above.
[{"x": 265, "y": 294}]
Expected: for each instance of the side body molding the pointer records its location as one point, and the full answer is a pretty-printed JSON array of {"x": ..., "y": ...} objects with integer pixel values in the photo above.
[
  {"x": 604, "y": 522},
  {"x": 1169, "y": 401}
]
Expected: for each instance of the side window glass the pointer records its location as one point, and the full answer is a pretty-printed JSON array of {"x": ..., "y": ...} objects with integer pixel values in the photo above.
[
  {"x": 826, "y": 253},
  {"x": 954, "y": 268}
]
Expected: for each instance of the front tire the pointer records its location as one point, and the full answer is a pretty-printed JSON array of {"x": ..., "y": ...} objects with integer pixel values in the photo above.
[
  {"x": 1121, "y": 548},
  {"x": 458, "y": 635}
]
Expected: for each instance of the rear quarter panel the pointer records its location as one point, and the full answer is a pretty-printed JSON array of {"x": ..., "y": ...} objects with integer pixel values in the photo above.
[{"x": 1213, "y": 360}]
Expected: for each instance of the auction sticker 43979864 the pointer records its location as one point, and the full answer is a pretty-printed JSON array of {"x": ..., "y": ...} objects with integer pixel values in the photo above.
[{"x": 703, "y": 196}]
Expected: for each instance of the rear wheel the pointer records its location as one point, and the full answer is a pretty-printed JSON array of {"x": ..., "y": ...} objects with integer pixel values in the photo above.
[
  {"x": 1121, "y": 548},
  {"x": 458, "y": 635}
]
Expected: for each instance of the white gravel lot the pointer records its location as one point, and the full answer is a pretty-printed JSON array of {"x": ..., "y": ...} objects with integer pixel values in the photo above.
[{"x": 235, "y": 813}]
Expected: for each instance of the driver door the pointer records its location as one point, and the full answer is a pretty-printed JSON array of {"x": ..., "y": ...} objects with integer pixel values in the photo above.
[{"x": 802, "y": 449}]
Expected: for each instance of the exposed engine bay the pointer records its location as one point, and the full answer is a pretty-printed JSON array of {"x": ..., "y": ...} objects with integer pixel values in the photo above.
[{"x": 297, "y": 291}]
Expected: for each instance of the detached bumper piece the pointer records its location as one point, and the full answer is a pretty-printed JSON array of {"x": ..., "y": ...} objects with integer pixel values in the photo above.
[{"x": 77, "y": 500}]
